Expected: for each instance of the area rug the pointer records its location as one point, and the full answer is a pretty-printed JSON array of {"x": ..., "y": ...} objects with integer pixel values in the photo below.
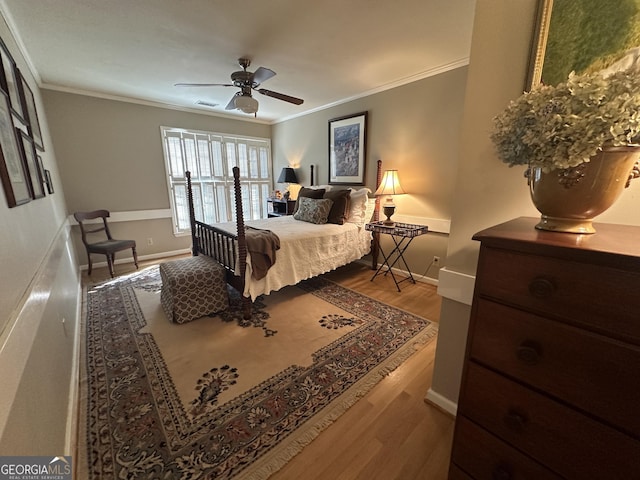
[{"x": 222, "y": 397}]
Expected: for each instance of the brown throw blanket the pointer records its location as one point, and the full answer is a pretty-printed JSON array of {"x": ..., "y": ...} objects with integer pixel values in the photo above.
[{"x": 262, "y": 245}]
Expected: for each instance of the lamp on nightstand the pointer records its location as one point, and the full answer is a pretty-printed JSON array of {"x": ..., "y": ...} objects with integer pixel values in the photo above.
[
  {"x": 288, "y": 176},
  {"x": 390, "y": 185}
]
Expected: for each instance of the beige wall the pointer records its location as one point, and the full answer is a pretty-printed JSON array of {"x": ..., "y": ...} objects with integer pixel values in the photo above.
[
  {"x": 27, "y": 230},
  {"x": 110, "y": 157},
  {"x": 39, "y": 305},
  {"x": 413, "y": 128},
  {"x": 487, "y": 191},
  {"x": 110, "y": 152}
]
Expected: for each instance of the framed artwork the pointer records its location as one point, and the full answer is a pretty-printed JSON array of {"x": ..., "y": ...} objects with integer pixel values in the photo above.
[
  {"x": 12, "y": 169},
  {"x": 9, "y": 82},
  {"x": 347, "y": 149},
  {"x": 29, "y": 104},
  {"x": 47, "y": 177},
  {"x": 43, "y": 173},
  {"x": 583, "y": 37},
  {"x": 28, "y": 152}
]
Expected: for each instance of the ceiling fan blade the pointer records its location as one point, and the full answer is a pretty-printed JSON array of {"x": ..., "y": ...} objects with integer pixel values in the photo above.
[
  {"x": 281, "y": 96},
  {"x": 203, "y": 85},
  {"x": 232, "y": 103},
  {"x": 262, "y": 75}
]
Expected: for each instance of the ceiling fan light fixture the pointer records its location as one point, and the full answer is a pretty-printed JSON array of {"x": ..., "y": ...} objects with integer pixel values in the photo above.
[
  {"x": 246, "y": 103},
  {"x": 246, "y": 81}
]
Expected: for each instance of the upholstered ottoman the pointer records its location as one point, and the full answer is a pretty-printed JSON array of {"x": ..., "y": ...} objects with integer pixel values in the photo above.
[{"x": 192, "y": 288}]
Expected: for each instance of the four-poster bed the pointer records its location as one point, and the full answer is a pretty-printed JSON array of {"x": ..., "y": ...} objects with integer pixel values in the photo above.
[{"x": 305, "y": 249}]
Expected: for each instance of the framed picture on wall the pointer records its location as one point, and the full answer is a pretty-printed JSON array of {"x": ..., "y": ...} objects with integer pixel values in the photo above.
[
  {"x": 28, "y": 152},
  {"x": 29, "y": 104},
  {"x": 43, "y": 174},
  {"x": 347, "y": 149},
  {"x": 48, "y": 181},
  {"x": 12, "y": 169},
  {"x": 9, "y": 82},
  {"x": 583, "y": 37}
]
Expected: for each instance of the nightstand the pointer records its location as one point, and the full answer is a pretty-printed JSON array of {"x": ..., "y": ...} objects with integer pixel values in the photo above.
[
  {"x": 279, "y": 207},
  {"x": 402, "y": 235}
]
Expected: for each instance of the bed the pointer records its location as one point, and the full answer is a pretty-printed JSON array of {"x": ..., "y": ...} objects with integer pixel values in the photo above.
[{"x": 305, "y": 249}]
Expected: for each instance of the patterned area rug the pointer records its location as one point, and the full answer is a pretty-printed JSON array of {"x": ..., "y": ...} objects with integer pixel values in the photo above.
[{"x": 220, "y": 397}]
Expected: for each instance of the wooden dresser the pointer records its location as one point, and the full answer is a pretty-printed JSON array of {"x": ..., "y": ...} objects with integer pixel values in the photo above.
[{"x": 551, "y": 383}]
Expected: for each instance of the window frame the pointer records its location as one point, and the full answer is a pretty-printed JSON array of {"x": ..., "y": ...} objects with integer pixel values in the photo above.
[{"x": 211, "y": 156}]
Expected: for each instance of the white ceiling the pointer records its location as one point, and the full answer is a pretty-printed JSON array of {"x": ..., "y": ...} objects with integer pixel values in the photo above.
[{"x": 324, "y": 51}]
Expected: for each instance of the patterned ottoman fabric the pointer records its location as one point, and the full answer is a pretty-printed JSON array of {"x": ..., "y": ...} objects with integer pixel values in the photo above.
[{"x": 192, "y": 288}]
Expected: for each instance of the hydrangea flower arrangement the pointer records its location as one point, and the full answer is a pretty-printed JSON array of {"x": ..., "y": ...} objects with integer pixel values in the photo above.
[{"x": 557, "y": 127}]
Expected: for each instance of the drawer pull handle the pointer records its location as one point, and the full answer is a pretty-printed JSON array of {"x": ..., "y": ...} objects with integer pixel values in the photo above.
[
  {"x": 501, "y": 472},
  {"x": 516, "y": 421},
  {"x": 541, "y": 287},
  {"x": 529, "y": 353}
]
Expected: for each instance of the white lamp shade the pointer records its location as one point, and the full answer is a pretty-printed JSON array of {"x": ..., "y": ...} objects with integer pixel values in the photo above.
[
  {"x": 390, "y": 185},
  {"x": 246, "y": 103}
]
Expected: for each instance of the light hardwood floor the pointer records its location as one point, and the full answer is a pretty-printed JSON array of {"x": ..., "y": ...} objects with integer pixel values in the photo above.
[{"x": 391, "y": 433}]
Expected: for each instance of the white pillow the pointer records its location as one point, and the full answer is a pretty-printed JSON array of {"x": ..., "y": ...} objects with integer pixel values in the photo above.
[
  {"x": 369, "y": 209},
  {"x": 358, "y": 206},
  {"x": 318, "y": 187}
]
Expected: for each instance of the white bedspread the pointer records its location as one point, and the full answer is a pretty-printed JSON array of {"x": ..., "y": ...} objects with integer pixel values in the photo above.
[{"x": 306, "y": 250}]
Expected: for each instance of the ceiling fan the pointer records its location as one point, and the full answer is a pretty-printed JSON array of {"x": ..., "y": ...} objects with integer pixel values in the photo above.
[{"x": 247, "y": 81}]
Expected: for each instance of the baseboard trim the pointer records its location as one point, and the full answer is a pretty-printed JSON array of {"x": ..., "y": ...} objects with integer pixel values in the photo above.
[
  {"x": 143, "y": 258},
  {"x": 442, "y": 403},
  {"x": 71, "y": 437},
  {"x": 403, "y": 273}
]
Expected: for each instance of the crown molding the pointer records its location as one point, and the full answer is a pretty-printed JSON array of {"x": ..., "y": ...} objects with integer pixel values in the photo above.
[{"x": 463, "y": 62}]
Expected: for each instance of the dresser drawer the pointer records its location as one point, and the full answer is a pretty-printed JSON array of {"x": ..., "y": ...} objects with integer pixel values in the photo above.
[
  {"x": 592, "y": 372},
  {"x": 567, "y": 442},
  {"x": 595, "y": 296},
  {"x": 483, "y": 455}
]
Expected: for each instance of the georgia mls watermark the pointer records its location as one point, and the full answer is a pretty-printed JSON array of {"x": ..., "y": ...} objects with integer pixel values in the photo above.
[{"x": 35, "y": 468}]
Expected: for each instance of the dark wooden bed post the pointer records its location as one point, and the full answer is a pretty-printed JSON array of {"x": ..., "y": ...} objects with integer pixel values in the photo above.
[
  {"x": 375, "y": 242},
  {"x": 242, "y": 243},
  {"x": 192, "y": 216}
]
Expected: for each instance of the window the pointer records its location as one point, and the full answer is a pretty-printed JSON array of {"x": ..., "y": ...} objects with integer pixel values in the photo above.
[{"x": 210, "y": 157}]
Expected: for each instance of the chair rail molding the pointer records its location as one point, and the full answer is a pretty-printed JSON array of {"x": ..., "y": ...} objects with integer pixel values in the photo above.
[
  {"x": 456, "y": 286},
  {"x": 131, "y": 216}
]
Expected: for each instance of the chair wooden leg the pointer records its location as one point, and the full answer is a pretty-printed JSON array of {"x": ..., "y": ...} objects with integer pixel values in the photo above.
[
  {"x": 110, "y": 261},
  {"x": 90, "y": 263},
  {"x": 135, "y": 256}
]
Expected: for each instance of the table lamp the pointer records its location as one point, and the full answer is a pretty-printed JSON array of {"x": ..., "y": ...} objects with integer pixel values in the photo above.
[
  {"x": 390, "y": 186},
  {"x": 288, "y": 176}
]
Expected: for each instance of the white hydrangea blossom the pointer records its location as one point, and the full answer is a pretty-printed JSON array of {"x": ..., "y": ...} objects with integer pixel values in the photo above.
[{"x": 556, "y": 127}]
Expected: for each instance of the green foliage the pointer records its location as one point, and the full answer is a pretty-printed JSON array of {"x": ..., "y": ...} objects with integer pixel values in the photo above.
[
  {"x": 563, "y": 126},
  {"x": 588, "y": 35}
]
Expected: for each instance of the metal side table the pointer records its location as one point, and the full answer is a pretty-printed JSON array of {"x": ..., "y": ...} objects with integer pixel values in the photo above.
[{"x": 402, "y": 235}]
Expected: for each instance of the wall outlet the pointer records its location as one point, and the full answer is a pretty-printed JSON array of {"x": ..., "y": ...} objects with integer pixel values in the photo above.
[
  {"x": 149, "y": 241},
  {"x": 436, "y": 260}
]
